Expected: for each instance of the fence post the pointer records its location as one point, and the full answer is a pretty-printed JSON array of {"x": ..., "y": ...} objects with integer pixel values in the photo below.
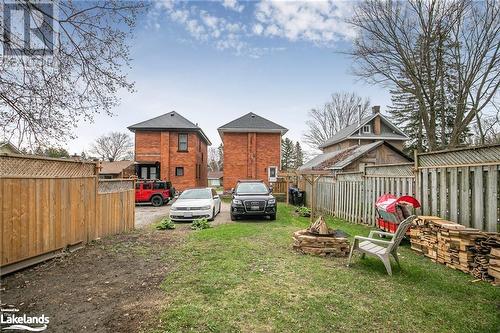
[{"x": 416, "y": 174}]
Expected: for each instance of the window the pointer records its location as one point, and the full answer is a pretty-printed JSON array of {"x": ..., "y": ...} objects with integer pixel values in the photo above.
[
  {"x": 137, "y": 186},
  {"x": 144, "y": 173},
  {"x": 272, "y": 173},
  {"x": 146, "y": 186},
  {"x": 152, "y": 173},
  {"x": 367, "y": 129},
  {"x": 183, "y": 142},
  {"x": 179, "y": 171},
  {"x": 159, "y": 186}
]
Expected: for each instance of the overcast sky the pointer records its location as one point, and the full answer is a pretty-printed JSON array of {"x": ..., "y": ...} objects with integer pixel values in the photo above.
[{"x": 215, "y": 61}]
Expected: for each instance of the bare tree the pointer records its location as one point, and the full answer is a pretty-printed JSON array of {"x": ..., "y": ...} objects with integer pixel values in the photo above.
[
  {"x": 75, "y": 74},
  {"x": 113, "y": 147},
  {"x": 445, "y": 53},
  {"x": 215, "y": 158},
  {"x": 341, "y": 111},
  {"x": 486, "y": 130}
]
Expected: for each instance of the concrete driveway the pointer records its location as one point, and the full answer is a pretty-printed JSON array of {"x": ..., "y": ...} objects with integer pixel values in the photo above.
[{"x": 147, "y": 214}]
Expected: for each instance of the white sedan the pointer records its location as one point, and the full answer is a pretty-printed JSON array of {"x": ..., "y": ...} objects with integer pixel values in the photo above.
[{"x": 196, "y": 203}]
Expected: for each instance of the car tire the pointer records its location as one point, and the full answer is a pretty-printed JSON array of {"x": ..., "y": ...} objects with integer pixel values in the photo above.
[
  {"x": 233, "y": 218},
  {"x": 272, "y": 217},
  {"x": 213, "y": 215},
  {"x": 157, "y": 201}
]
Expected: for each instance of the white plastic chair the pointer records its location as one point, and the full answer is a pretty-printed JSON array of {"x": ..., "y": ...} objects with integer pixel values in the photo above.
[{"x": 381, "y": 248}]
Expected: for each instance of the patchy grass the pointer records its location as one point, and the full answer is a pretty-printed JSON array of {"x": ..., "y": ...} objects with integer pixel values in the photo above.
[{"x": 244, "y": 277}]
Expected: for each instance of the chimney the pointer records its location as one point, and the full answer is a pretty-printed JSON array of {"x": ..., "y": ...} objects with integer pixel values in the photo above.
[{"x": 376, "y": 122}]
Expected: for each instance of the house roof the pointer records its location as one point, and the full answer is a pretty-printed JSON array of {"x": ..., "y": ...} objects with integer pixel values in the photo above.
[
  {"x": 252, "y": 122},
  {"x": 352, "y": 131},
  {"x": 169, "y": 121},
  {"x": 10, "y": 146},
  {"x": 113, "y": 168},
  {"x": 215, "y": 174},
  {"x": 339, "y": 159}
]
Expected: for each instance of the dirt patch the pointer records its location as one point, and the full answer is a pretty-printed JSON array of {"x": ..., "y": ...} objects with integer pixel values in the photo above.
[{"x": 112, "y": 285}]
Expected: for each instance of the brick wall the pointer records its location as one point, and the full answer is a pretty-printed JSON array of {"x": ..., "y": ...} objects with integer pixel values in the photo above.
[
  {"x": 155, "y": 146},
  {"x": 248, "y": 156}
]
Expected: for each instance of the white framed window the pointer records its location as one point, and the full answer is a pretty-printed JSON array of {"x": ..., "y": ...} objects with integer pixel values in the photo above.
[
  {"x": 367, "y": 129},
  {"x": 272, "y": 173}
]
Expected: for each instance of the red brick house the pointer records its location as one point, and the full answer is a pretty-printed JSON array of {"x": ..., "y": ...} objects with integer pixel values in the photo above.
[
  {"x": 252, "y": 149},
  {"x": 170, "y": 147}
]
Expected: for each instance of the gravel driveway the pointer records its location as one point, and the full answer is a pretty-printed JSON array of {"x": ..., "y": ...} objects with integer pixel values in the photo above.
[{"x": 147, "y": 214}]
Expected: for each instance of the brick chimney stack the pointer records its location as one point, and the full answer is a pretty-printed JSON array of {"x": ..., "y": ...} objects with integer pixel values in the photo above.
[{"x": 376, "y": 121}]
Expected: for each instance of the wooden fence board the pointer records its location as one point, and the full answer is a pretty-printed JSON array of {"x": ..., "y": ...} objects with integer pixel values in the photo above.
[
  {"x": 492, "y": 199},
  {"x": 434, "y": 192},
  {"x": 453, "y": 195},
  {"x": 465, "y": 197},
  {"x": 443, "y": 195},
  {"x": 477, "y": 198}
]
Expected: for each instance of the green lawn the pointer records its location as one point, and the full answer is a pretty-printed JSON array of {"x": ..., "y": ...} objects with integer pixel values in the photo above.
[{"x": 245, "y": 277}]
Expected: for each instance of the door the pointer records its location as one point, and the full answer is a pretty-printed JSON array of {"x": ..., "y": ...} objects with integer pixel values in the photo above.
[{"x": 147, "y": 190}]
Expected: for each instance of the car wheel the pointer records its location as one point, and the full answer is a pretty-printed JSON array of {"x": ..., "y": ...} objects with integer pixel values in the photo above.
[
  {"x": 272, "y": 217},
  {"x": 157, "y": 201},
  {"x": 233, "y": 218},
  {"x": 213, "y": 215}
]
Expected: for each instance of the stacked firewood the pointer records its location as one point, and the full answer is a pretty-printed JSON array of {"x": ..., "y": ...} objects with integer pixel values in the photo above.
[
  {"x": 455, "y": 246},
  {"x": 494, "y": 265},
  {"x": 319, "y": 240}
]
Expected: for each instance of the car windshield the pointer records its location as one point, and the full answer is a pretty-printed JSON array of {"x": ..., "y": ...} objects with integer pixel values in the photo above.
[
  {"x": 196, "y": 194},
  {"x": 251, "y": 188}
]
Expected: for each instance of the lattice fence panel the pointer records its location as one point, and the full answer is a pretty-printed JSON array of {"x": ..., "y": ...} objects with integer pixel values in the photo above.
[
  {"x": 469, "y": 156},
  {"x": 395, "y": 170},
  {"x": 115, "y": 185},
  {"x": 30, "y": 166}
]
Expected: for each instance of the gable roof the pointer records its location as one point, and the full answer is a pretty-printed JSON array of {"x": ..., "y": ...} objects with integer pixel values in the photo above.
[
  {"x": 252, "y": 122},
  {"x": 339, "y": 159},
  {"x": 113, "y": 168},
  {"x": 9, "y": 146},
  {"x": 169, "y": 121},
  {"x": 351, "y": 131}
]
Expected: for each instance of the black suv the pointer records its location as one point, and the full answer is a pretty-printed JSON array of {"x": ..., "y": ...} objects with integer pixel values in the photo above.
[{"x": 252, "y": 198}]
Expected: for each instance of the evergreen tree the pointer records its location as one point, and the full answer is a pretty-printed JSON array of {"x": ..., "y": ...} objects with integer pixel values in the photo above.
[
  {"x": 298, "y": 156},
  {"x": 287, "y": 154}
]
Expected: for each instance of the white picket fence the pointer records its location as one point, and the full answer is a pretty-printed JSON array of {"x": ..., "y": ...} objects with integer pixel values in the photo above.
[{"x": 459, "y": 185}]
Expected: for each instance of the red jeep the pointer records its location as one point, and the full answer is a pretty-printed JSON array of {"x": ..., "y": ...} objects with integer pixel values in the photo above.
[{"x": 155, "y": 191}]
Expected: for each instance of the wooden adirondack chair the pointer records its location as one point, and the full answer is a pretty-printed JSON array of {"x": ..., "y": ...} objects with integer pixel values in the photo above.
[{"x": 381, "y": 248}]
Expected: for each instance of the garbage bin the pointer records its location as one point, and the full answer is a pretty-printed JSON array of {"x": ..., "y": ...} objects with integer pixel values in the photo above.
[{"x": 299, "y": 198}]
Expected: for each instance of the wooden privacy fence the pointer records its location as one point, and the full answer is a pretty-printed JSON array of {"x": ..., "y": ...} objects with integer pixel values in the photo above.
[
  {"x": 57, "y": 204},
  {"x": 460, "y": 185}
]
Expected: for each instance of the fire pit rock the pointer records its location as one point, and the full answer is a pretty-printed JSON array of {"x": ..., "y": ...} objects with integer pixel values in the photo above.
[{"x": 319, "y": 240}]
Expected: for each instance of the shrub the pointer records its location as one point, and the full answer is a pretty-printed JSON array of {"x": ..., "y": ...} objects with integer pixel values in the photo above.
[
  {"x": 165, "y": 224},
  {"x": 199, "y": 224},
  {"x": 303, "y": 211}
]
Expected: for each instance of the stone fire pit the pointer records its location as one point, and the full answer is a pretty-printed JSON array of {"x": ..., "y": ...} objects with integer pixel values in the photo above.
[{"x": 319, "y": 240}]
